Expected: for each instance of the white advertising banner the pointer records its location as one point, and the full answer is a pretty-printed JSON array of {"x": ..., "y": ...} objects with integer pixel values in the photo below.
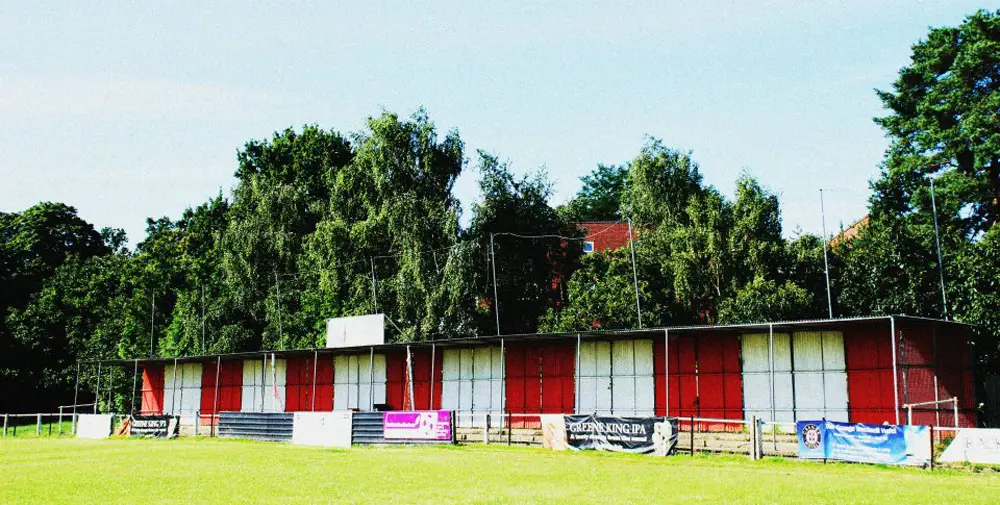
[
  {"x": 974, "y": 445},
  {"x": 93, "y": 426},
  {"x": 323, "y": 429}
]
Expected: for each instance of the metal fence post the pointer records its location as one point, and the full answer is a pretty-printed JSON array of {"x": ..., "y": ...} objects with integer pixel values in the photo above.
[
  {"x": 38, "y": 426},
  {"x": 955, "y": 403},
  {"x": 60, "y": 419},
  {"x": 510, "y": 426},
  {"x": 932, "y": 447},
  {"x": 692, "y": 435},
  {"x": 486, "y": 430},
  {"x": 5, "y": 426}
]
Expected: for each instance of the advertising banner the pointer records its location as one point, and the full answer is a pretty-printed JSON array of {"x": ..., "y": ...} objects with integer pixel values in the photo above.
[
  {"x": 644, "y": 435},
  {"x": 417, "y": 425},
  {"x": 554, "y": 432},
  {"x": 154, "y": 426},
  {"x": 322, "y": 429},
  {"x": 974, "y": 445},
  {"x": 863, "y": 443},
  {"x": 93, "y": 426}
]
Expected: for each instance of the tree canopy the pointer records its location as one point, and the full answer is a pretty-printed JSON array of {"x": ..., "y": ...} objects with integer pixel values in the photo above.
[{"x": 323, "y": 224}]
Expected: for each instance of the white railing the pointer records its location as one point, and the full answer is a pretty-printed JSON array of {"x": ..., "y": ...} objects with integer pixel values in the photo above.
[{"x": 909, "y": 408}]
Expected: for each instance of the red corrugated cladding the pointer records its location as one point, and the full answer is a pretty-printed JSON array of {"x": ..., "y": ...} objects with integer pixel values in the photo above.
[
  {"x": 395, "y": 380},
  {"x": 422, "y": 380},
  {"x": 705, "y": 377},
  {"x": 152, "y": 390},
  {"x": 868, "y": 354},
  {"x": 928, "y": 351},
  {"x": 299, "y": 384},
  {"x": 230, "y": 389},
  {"x": 540, "y": 379},
  {"x": 398, "y": 383}
]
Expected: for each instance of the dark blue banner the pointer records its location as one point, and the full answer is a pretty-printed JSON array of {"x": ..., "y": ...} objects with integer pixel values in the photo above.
[{"x": 863, "y": 443}]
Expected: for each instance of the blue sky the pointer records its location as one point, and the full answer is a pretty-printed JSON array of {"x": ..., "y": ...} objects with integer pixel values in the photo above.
[{"x": 129, "y": 112}]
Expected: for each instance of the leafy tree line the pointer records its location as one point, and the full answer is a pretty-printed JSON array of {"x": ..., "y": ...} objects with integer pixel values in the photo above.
[{"x": 321, "y": 224}]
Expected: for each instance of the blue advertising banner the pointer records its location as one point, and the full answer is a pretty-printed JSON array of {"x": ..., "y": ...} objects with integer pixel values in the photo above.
[{"x": 863, "y": 443}]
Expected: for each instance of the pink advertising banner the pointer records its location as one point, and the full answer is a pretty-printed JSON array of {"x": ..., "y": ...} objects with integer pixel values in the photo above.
[{"x": 417, "y": 425}]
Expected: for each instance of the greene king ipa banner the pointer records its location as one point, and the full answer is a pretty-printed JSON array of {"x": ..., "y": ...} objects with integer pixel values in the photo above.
[
  {"x": 153, "y": 426},
  {"x": 644, "y": 435}
]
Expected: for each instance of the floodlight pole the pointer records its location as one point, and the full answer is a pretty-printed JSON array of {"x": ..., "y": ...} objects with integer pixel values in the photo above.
[
  {"x": 826, "y": 261},
  {"x": 937, "y": 239},
  {"x": 203, "y": 318},
  {"x": 152, "y": 322},
  {"x": 277, "y": 289},
  {"x": 374, "y": 293},
  {"x": 635, "y": 275},
  {"x": 496, "y": 300}
]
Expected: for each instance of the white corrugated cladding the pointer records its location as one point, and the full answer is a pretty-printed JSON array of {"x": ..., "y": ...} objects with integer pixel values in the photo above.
[
  {"x": 757, "y": 377},
  {"x": 183, "y": 397},
  {"x": 616, "y": 378},
  {"x": 820, "y": 375},
  {"x": 264, "y": 385},
  {"x": 355, "y": 386},
  {"x": 472, "y": 382},
  {"x": 816, "y": 386}
]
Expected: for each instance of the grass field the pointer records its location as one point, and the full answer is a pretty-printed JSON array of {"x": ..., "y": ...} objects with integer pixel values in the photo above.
[{"x": 214, "y": 471}]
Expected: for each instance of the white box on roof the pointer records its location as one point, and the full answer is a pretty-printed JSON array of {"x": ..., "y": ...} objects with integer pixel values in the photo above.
[{"x": 355, "y": 331}]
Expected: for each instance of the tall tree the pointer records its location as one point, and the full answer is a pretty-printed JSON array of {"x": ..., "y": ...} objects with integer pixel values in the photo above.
[
  {"x": 529, "y": 271},
  {"x": 943, "y": 118},
  {"x": 600, "y": 197}
]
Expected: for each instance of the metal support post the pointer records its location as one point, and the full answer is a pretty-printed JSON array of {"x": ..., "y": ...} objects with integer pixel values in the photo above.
[
  {"x": 666, "y": 372},
  {"x": 409, "y": 375},
  {"x": 5, "y": 426},
  {"x": 503, "y": 376},
  {"x": 578, "y": 403},
  {"x": 97, "y": 390},
  {"x": 76, "y": 391},
  {"x": 215, "y": 398},
  {"x": 38, "y": 426},
  {"x": 173, "y": 392},
  {"x": 895, "y": 383},
  {"x": 135, "y": 375},
  {"x": 111, "y": 388},
  {"x": 770, "y": 363},
  {"x": 312, "y": 406},
  {"x": 433, "y": 357},
  {"x": 371, "y": 379}
]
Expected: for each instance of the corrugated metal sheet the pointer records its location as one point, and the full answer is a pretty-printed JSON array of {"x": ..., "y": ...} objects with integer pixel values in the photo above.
[
  {"x": 472, "y": 382},
  {"x": 868, "y": 358},
  {"x": 152, "y": 389},
  {"x": 182, "y": 391},
  {"x": 616, "y": 378},
  {"x": 264, "y": 387},
  {"x": 353, "y": 381},
  {"x": 299, "y": 384},
  {"x": 230, "y": 390}
]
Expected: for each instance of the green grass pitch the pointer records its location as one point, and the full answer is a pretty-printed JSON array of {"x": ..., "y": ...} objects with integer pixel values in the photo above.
[{"x": 219, "y": 471}]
